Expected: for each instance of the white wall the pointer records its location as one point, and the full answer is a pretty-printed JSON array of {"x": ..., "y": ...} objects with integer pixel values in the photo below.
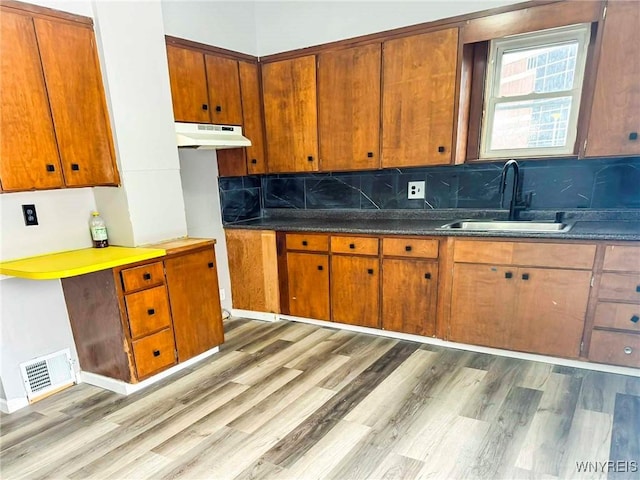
[
  {"x": 288, "y": 25},
  {"x": 222, "y": 23}
]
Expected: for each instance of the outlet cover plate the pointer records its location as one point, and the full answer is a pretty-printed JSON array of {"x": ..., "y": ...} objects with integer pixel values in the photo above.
[
  {"x": 415, "y": 191},
  {"x": 30, "y": 215}
]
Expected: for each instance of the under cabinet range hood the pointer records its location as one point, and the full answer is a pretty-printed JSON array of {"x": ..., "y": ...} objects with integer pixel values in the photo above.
[{"x": 211, "y": 137}]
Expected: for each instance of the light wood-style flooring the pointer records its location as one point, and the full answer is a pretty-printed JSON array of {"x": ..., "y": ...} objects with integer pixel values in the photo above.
[{"x": 295, "y": 401}]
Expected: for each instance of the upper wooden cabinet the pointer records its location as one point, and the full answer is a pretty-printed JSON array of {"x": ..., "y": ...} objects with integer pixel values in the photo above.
[
  {"x": 291, "y": 123},
  {"x": 349, "y": 108},
  {"x": 188, "y": 80},
  {"x": 614, "y": 124},
  {"x": 55, "y": 128},
  {"x": 252, "y": 114},
  {"x": 224, "y": 90},
  {"x": 419, "y": 84}
]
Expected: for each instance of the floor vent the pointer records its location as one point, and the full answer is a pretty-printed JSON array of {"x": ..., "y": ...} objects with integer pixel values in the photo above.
[{"x": 47, "y": 374}]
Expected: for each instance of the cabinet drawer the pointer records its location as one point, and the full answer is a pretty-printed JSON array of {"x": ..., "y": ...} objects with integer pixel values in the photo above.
[
  {"x": 624, "y": 316},
  {"x": 618, "y": 286},
  {"x": 142, "y": 276},
  {"x": 615, "y": 348},
  {"x": 312, "y": 242},
  {"x": 154, "y": 353},
  {"x": 356, "y": 245},
  {"x": 622, "y": 258},
  {"x": 148, "y": 311},
  {"x": 409, "y": 247}
]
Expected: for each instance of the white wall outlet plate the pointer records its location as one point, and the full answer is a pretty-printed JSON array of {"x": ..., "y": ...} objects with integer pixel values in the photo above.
[{"x": 415, "y": 191}]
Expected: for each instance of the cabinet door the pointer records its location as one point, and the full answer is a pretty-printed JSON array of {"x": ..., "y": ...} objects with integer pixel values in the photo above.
[
  {"x": 550, "y": 311},
  {"x": 223, "y": 81},
  {"x": 615, "y": 114},
  {"x": 482, "y": 304},
  {"x": 188, "y": 85},
  {"x": 308, "y": 275},
  {"x": 29, "y": 151},
  {"x": 418, "y": 97},
  {"x": 252, "y": 117},
  {"x": 409, "y": 295},
  {"x": 355, "y": 290},
  {"x": 349, "y": 108},
  {"x": 291, "y": 124},
  {"x": 195, "y": 302},
  {"x": 78, "y": 106}
]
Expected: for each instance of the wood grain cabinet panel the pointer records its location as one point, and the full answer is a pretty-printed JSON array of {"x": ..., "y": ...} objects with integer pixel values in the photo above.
[
  {"x": 621, "y": 258},
  {"x": 349, "y": 108},
  {"x": 354, "y": 245},
  {"x": 307, "y": 241},
  {"x": 154, "y": 353},
  {"x": 418, "y": 99},
  {"x": 409, "y": 296},
  {"x": 78, "y": 106},
  {"x": 188, "y": 80},
  {"x": 410, "y": 247},
  {"x": 615, "y": 348},
  {"x": 192, "y": 283},
  {"x": 355, "y": 290},
  {"x": 30, "y": 157},
  {"x": 223, "y": 80},
  {"x": 144, "y": 276},
  {"x": 308, "y": 275},
  {"x": 252, "y": 117},
  {"x": 148, "y": 311},
  {"x": 621, "y": 316},
  {"x": 614, "y": 126},
  {"x": 618, "y": 286},
  {"x": 290, "y": 114}
]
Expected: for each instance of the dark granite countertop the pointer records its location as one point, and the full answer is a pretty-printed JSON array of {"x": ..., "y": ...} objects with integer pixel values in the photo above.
[{"x": 587, "y": 225}]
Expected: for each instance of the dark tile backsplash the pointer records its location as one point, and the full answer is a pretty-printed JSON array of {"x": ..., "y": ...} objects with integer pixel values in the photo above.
[{"x": 555, "y": 184}]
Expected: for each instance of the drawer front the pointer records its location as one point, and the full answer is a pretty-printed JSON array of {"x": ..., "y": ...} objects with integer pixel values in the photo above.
[
  {"x": 148, "y": 311},
  {"x": 622, "y": 258},
  {"x": 409, "y": 247},
  {"x": 624, "y": 316},
  {"x": 154, "y": 353},
  {"x": 142, "y": 277},
  {"x": 618, "y": 286},
  {"x": 615, "y": 348},
  {"x": 312, "y": 242},
  {"x": 355, "y": 245}
]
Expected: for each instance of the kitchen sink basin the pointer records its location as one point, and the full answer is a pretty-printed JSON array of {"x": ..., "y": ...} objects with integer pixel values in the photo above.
[{"x": 507, "y": 226}]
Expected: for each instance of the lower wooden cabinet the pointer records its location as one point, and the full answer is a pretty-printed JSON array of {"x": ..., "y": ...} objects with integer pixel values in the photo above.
[
  {"x": 134, "y": 321},
  {"x": 355, "y": 290},
  {"x": 308, "y": 285}
]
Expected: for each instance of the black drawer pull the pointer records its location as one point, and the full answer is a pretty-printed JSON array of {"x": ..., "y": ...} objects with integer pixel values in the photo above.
[
  {"x": 637, "y": 288},
  {"x": 508, "y": 275},
  {"x": 427, "y": 276},
  {"x": 210, "y": 264},
  {"x": 310, "y": 158},
  {"x": 370, "y": 154},
  {"x": 304, "y": 243},
  {"x": 151, "y": 311},
  {"x": 156, "y": 353},
  {"x": 352, "y": 246},
  {"x": 634, "y": 318},
  {"x": 218, "y": 108},
  {"x": 146, "y": 276},
  {"x": 320, "y": 267},
  {"x": 254, "y": 161},
  {"x": 525, "y": 276},
  {"x": 75, "y": 166},
  {"x": 205, "y": 106},
  {"x": 633, "y": 136},
  {"x": 407, "y": 248},
  {"x": 370, "y": 271},
  {"x": 50, "y": 167},
  {"x": 441, "y": 149}
]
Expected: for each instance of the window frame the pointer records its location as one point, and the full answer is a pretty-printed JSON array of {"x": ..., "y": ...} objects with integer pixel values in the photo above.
[{"x": 530, "y": 41}]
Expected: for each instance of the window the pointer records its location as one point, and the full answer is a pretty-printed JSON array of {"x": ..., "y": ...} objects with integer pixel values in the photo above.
[{"x": 532, "y": 94}]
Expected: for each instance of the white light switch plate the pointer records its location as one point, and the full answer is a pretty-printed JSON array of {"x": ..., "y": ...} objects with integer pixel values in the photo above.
[{"x": 415, "y": 191}]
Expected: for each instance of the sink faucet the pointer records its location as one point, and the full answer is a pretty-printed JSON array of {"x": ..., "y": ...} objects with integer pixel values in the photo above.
[{"x": 517, "y": 203}]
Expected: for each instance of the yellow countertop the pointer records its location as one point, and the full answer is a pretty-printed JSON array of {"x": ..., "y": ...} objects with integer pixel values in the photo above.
[{"x": 76, "y": 262}]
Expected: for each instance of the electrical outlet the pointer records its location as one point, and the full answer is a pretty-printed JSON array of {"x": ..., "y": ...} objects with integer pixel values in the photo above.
[
  {"x": 30, "y": 215},
  {"x": 415, "y": 191},
  {"x": 223, "y": 294}
]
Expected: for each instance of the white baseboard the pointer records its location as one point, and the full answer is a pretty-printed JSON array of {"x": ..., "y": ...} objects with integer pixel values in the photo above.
[
  {"x": 10, "y": 406},
  {"x": 269, "y": 317},
  {"x": 599, "y": 367},
  {"x": 124, "y": 388}
]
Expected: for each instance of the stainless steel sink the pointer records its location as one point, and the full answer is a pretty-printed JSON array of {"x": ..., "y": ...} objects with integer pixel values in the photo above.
[{"x": 507, "y": 226}]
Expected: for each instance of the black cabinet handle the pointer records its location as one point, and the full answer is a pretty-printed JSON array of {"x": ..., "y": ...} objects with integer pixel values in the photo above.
[
  {"x": 407, "y": 248},
  {"x": 370, "y": 154},
  {"x": 210, "y": 264},
  {"x": 370, "y": 271},
  {"x": 633, "y": 136},
  {"x": 441, "y": 149},
  {"x": 146, "y": 276},
  {"x": 310, "y": 158},
  {"x": 525, "y": 276},
  {"x": 151, "y": 311},
  {"x": 156, "y": 353},
  {"x": 352, "y": 246},
  {"x": 427, "y": 276},
  {"x": 205, "y": 106},
  {"x": 50, "y": 167},
  {"x": 218, "y": 108},
  {"x": 254, "y": 161},
  {"x": 304, "y": 243},
  {"x": 508, "y": 275},
  {"x": 634, "y": 318},
  {"x": 75, "y": 166},
  {"x": 320, "y": 267}
]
